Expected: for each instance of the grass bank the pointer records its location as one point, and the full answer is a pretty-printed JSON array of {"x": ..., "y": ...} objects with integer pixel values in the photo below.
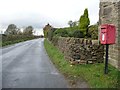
[
  {"x": 12, "y": 39},
  {"x": 12, "y": 42},
  {"x": 92, "y": 73}
]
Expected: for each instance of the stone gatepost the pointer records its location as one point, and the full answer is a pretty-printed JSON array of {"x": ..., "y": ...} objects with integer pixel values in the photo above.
[{"x": 110, "y": 14}]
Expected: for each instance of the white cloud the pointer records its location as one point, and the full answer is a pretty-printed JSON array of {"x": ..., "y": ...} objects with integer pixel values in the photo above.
[{"x": 40, "y": 12}]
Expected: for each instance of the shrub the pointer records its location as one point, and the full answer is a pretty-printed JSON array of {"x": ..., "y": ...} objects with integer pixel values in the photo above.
[
  {"x": 93, "y": 31},
  {"x": 78, "y": 34},
  {"x": 70, "y": 33},
  {"x": 61, "y": 32},
  {"x": 50, "y": 34}
]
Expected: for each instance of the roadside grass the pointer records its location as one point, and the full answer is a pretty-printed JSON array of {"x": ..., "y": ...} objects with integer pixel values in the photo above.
[{"x": 93, "y": 74}]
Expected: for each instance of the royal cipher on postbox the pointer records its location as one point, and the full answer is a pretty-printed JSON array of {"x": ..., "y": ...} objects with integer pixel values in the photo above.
[{"x": 107, "y": 34}]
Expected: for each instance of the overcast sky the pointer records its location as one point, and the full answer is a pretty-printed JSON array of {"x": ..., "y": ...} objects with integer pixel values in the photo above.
[{"x": 40, "y": 12}]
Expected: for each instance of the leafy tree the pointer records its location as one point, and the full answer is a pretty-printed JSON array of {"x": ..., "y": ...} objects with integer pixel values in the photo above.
[
  {"x": 28, "y": 30},
  {"x": 46, "y": 29},
  {"x": 19, "y": 32},
  {"x": 70, "y": 23},
  {"x": 50, "y": 34},
  {"x": 45, "y": 34},
  {"x": 84, "y": 22},
  {"x": 11, "y": 30},
  {"x": 74, "y": 24}
]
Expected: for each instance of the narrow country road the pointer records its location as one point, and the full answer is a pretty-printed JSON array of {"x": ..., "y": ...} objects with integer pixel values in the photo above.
[{"x": 27, "y": 65}]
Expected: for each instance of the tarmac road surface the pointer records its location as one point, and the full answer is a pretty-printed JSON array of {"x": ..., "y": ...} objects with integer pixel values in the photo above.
[{"x": 27, "y": 65}]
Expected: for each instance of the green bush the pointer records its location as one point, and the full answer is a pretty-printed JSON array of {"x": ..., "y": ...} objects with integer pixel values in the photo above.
[
  {"x": 50, "y": 34},
  {"x": 61, "y": 32},
  {"x": 93, "y": 31},
  {"x": 78, "y": 34},
  {"x": 70, "y": 33}
]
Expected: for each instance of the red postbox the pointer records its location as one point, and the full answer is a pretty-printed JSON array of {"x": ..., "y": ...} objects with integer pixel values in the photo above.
[
  {"x": 107, "y": 37},
  {"x": 107, "y": 34}
]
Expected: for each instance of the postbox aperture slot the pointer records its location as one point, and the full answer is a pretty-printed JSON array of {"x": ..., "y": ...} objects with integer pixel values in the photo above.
[{"x": 103, "y": 28}]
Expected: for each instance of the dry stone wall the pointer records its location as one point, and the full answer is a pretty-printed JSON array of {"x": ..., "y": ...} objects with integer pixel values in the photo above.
[{"x": 80, "y": 51}]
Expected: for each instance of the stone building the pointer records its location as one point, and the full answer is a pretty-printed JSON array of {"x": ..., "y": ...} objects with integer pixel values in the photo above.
[{"x": 110, "y": 14}]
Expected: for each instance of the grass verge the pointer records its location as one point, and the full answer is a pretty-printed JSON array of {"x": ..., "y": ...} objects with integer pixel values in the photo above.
[{"x": 92, "y": 73}]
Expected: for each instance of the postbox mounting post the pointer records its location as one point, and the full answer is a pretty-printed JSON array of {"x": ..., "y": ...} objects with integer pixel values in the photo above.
[{"x": 106, "y": 59}]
